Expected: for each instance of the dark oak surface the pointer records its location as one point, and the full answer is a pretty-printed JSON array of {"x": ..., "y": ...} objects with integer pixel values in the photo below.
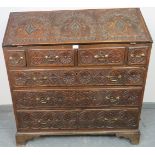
[{"x": 96, "y": 87}]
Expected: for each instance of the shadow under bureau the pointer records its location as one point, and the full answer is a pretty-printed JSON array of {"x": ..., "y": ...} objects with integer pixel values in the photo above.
[{"x": 77, "y": 72}]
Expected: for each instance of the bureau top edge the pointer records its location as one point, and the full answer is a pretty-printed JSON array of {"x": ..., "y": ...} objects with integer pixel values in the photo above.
[{"x": 123, "y": 25}]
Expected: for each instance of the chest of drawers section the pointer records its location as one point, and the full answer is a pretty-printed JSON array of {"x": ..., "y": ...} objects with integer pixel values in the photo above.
[{"x": 95, "y": 88}]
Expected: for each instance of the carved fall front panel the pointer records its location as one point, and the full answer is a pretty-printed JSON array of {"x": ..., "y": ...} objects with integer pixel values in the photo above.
[
  {"x": 77, "y": 119},
  {"x": 103, "y": 56},
  {"x": 75, "y": 26},
  {"x": 72, "y": 98},
  {"x": 70, "y": 77}
]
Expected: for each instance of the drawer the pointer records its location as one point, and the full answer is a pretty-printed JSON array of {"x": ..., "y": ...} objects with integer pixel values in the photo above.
[
  {"x": 51, "y": 57},
  {"x": 101, "y": 56},
  {"x": 77, "y": 77},
  {"x": 72, "y": 98},
  {"x": 15, "y": 58},
  {"x": 78, "y": 119},
  {"x": 138, "y": 55}
]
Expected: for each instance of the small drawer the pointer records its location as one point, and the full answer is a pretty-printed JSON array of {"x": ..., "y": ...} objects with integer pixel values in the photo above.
[
  {"x": 15, "y": 58},
  {"x": 138, "y": 55},
  {"x": 78, "y": 77},
  {"x": 102, "y": 56},
  {"x": 73, "y": 98},
  {"x": 50, "y": 57},
  {"x": 78, "y": 119}
]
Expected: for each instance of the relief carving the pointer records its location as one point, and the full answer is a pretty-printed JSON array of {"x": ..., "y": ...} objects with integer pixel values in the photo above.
[
  {"x": 16, "y": 58},
  {"x": 77, "y": 98},
  {"x": 86, "y": 119},
  {"x": 76, "y": 26},
  {"x": 101, "y": 56},
  {"x": 137, "y": 55},
  {"x": 51, "y": 57},
  {"x": 79, "y": 77}
]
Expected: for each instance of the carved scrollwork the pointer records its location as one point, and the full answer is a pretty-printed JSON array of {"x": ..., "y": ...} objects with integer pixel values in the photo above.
[
  {"x": 75, "y": 119},
  {"x": 77, "y": 98}
]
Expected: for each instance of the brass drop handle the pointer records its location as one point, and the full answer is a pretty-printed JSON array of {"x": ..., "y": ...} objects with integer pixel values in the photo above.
[
  {"x": 43, "y": 100},
  {"x": 41, "y": 122},
  {"x": 101, "y": 56},
  {"x": 114, "y": 119},
  {"x": 138, "y": 56},
  {"x": 51, "y": 58},
  {"x": 114, "y": 78},
  {"x": 16, "y": 60},
  {"x": 37, "y": 98},
  {"x": 11, "y": 58},
  {"x": 113, "y": 99},
  {"x": 43, "y": 78},
  {"x": 34, "y": 78}
]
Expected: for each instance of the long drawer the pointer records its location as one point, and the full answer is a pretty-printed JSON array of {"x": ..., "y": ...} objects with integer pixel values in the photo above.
[
  {"x": 72, "y": 98},
  {"x": 78, "y": 119},
  {"x": 78, "y": 77}
]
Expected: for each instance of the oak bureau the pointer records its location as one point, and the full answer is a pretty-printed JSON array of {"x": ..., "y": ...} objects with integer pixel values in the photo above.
[{"x": 77, "y": 72}]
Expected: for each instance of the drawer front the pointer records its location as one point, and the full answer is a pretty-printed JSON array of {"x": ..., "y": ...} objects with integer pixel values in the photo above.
[
  {"x": 76, "y": 77},
  {"x": 49, "y": 57},
  {"x": 78, "y": 119},
  {"x": 103, "y": 56},
  {"x": 72, "y": 98},
  {"x": 15, "y": 58},
  {"x": 138, "y": 55}
]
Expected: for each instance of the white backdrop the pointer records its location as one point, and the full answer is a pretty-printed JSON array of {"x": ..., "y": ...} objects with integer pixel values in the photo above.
[{"x": 148, "y": 14}]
